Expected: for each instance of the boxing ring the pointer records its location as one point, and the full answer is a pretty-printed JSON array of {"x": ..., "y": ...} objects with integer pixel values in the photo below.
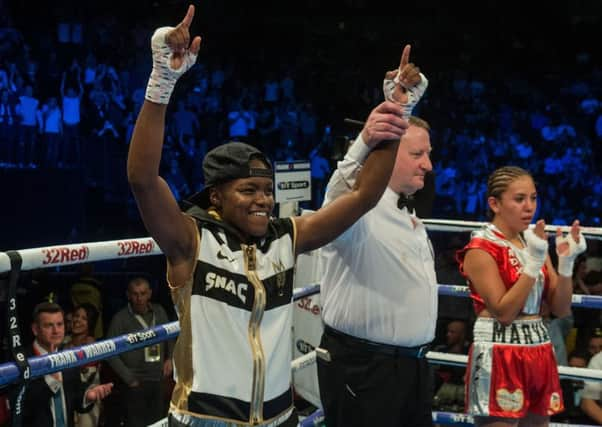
[{"x": 22, "y": 369}]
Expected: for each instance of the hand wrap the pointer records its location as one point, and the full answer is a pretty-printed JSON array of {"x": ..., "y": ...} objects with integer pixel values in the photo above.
[
  {"x": 414, "y": 93},
  {"x": 566, "y": 262},
  {"x": 163, "y": 78},
  {"x": 537, "y": 251}
]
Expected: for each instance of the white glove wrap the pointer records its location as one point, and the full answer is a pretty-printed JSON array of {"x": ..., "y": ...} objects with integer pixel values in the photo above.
[
  {"x": 537, "y": 250},
  {"x": 414, "y": 93},
  {"x": 163, "y": 78},
  {"x": 566, "y": 262}
]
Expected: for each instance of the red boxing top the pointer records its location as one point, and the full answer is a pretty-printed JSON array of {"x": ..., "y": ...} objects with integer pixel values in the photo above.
[{"x": 508, "y": 260}]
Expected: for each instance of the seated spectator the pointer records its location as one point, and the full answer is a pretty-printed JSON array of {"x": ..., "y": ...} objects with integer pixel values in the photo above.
[
  {"x": 593, "y": 282},
  {"x": 594, "y": 344},
  {"x": 82, "y": 332},
  {"x": 579, "y": 286},
  {"x": 449, "y": 380},
  {"x": 50, "y": 401},
  {"x": 558, "y": 329},
  {"x": 591, "y": 397},
  {"x": 572, "y": 391}
]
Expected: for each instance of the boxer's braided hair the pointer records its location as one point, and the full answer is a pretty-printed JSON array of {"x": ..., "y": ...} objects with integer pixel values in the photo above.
[{"x": 499, "y": 181}]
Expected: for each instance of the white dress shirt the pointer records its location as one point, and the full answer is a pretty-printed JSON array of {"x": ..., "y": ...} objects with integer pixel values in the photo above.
[{"x": 379, "y": 279}]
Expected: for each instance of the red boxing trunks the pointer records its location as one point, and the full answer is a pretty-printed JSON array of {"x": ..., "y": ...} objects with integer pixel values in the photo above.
[{"x": 512, "y": 370}]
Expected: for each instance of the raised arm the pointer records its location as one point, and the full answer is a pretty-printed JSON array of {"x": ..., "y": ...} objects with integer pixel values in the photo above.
[
  {"x": 173, "y": 54},
  {"x": 404, "y": 86},
  {"x": 321, "y": 227}
]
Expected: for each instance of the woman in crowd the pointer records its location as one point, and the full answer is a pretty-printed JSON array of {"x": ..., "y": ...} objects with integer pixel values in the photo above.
[{"x": 82, "y": 333}]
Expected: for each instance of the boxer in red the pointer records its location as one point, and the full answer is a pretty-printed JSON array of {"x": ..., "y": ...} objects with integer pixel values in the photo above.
[{"x": 512, "y": 375}]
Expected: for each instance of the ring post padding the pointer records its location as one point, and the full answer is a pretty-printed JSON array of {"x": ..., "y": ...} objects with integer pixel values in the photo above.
[{"x": 16, "y": 341}]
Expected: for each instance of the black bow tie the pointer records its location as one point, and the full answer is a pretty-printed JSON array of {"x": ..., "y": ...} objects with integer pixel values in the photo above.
[{"x": 406, "y": 201}]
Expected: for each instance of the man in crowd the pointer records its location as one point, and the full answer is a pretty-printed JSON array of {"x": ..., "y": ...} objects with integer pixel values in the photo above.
[
  {"x": 50, "y": 401},
  {"x": 143, "y": 371}
]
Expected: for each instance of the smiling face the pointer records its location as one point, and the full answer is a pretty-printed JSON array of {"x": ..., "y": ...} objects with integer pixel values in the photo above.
[
  {"x": 514, "y": 208},
  {"x": 246, "y": 203},
  {"x": 80, "y": 322},
  {"x": 412, "y": 162}
]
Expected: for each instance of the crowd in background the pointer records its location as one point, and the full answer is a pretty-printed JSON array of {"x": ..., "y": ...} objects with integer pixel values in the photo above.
[{"x": 69, "y": 98}]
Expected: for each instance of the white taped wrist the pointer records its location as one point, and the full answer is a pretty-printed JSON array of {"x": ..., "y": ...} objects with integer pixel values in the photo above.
[
  {"x": 566, "y": 262},
  {"x": 537, "y": 251},
  {"x": 163, "y": 77},
  {"x": 565, "y": 266},
  {"x": 414, "y": 93},
  {"x": 359, "y": 150},
  {"x": 533, "y": 267}
]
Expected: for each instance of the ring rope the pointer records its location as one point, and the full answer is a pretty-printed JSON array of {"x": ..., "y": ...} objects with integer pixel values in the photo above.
[
  {"x": 444, "y": 418},
  {"x": 61, "y": 255},
  {"x": 78, "y": 356},
  {"x": 55, "y": 256},
  {"x": 435, "y": 357},
  {"x": 578, "y": 300},
  {"x": 99, "y": 350},
  {"x": 78, "y": 253},
  {"x": 594, "y": 233}
]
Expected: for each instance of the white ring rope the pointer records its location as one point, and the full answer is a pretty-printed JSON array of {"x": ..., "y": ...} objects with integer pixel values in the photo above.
[
  {"x": 78, "y": 253},
  {"x": 55, "y": 256},
  {"x": 436, "y": 357},
  {"x": 594, "y": 233}
]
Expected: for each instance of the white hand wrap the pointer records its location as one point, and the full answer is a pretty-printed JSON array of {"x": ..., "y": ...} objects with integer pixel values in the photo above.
[
  {"x": 566, "y": 262},
  {"x": 537, "y": 250},
  {"x": 414, "y": 93},
  {"x": 163, "y": 78}
]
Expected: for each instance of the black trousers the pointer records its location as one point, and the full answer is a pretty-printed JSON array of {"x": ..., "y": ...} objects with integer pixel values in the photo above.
[{"x": 363, "y": 388}]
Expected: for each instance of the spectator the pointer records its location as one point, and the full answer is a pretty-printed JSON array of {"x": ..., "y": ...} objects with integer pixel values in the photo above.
[
  {"x": 27, "y": 110},
  {"x": 240, "y": 122},
  {"x": 71, "y": 149},
  {"x": 50, "y": 401},
  {"x": 449, "y": 380},
  {"x": 572, "y": 392},
  {"x": 8, "y": 127},
  {"x": 50, "y": 120},
  {"x": 320, "y": 171},
  {"x": 84, "y": 321},
  {"x": 594, "y": 343},
  {"x": 142, "y": 372},
  {"x": 591, "y": 397}
]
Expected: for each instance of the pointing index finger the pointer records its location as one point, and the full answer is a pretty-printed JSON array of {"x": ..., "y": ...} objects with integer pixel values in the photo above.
[
  {"x": 405, "y": 57},
  {"x": 188, "y": 18}
]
